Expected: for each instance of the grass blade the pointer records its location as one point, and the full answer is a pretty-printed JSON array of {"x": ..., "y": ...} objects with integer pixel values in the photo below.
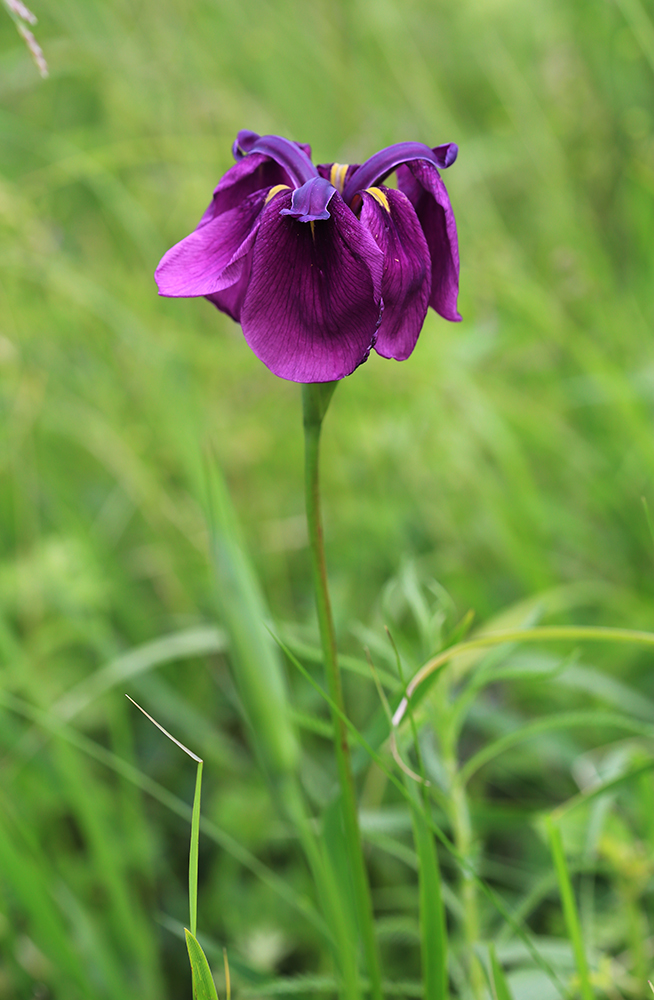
[
  {"x": 569, "y": 908},
  {"x": 29, "y": 882},
  {"x": 256, "y": 665},
  {"x": 499, "y": 985},
  {"x": 537, "y": 633},
  {"x": 564, "y": 720},
  {"x": 433, "y": 931},
  {"x": 181, "y": 645},
  {"x": 433, "y": 927},
  {"x": 203, "y": 984},
  {"x": 165, "y": 732},
  {"x": 194, "y": 853},
  {"x": 195, "y": 823},
  {"x": 605, "y": 787},
  {"x": 176, "y": 805},
  {"x": 204, "y": 987},
  {"x": 492, "y": 896}
]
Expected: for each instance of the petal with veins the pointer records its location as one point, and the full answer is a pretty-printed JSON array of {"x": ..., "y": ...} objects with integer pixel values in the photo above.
[
  {"x": 424, "y": 188},
  {"x": 390, "y": 218},
  {"x": 312, "y": 305},
  {"x": 211, "y": 258}
]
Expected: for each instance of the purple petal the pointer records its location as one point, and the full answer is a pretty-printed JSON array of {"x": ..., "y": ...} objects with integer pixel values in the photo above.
[
  {"x": 255, "y": 172},
  {"x": 288, "y": 155},
  {"x": 305, "y": 147},
  {"x": 424, "y": 188},
  {"x": 245, "y": 140},
  {"x": 383, "y": 163},
  {"x": 230, "y": 300},
  {"x": 390, "y": 217},
  {"x": 312, "y": 305},
  {"x": 243, "y": 143},
  {"x": 211, "y": 258},
  {"x": 445, "y": 154},
  {"x": 309, "y": 203}
]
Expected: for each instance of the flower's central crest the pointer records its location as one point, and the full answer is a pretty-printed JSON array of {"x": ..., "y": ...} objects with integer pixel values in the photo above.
[
  {"x": 313, "y": 300},
  {"x": 337, "y": 175}
]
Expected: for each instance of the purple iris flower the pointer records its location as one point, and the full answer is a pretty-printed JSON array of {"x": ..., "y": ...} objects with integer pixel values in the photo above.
[{"x": 321, "y": 264}]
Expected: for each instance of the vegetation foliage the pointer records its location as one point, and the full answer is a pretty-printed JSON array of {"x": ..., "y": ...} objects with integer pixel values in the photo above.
[{"x": 152, "y": 528}]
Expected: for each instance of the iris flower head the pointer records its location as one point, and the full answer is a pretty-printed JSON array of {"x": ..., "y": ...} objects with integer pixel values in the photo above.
[{"x": 321, "y": 264}]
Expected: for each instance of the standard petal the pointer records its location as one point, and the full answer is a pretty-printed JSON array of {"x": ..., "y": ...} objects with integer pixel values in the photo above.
[
  {"x": 422, "y": 184},
  {"x": 211, "y": 258},
  {"x": 312, "y": 304},
  {"x": 392, "y": 221},
  {"x": 254, "y": 172}
]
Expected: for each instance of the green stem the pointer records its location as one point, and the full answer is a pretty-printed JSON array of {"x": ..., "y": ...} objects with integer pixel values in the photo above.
[
  {"x": 463, "y": 841},
  {"x": 315, "y": 400}
]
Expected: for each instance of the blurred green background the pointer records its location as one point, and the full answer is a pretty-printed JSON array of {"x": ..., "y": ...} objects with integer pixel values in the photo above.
[{"x": 508, "y": 456}]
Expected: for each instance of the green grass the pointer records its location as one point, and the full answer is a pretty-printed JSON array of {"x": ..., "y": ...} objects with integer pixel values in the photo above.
[{"x": 501, "y": 469}]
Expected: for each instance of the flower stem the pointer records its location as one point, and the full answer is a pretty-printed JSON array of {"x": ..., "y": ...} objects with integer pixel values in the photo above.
[{"x": 315, "y": 400}]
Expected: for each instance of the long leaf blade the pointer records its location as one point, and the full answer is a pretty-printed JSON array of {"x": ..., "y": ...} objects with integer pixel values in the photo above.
[
  {"x": 499, "y": 985},
  {"x": 570, "y": 913},
  {"x": 204, "y": 987},
  {"x": 433, "y": 931},
  {"x": 194, "y": 852}
]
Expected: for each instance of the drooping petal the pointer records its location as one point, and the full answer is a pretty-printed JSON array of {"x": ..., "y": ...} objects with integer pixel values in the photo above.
[
  {"x": 245, "y": 140},
  {"x": 243, "y": 143},
  {"x": 211, "y": 258},
  {"x": 312, "y": 305},
  {"x": 305, "y": 147},
  {"x": 377, "y": 168},
  {"x": 392, "y": 221},
  {"x": 446, "y": 154},
  {"x": 289, "y": 155},
  {"x": 230, "y": 300},
  {"x": 255, "y": 172},
  {"x": 422, "y": 184},
  {"x": 309, "y": 203}
]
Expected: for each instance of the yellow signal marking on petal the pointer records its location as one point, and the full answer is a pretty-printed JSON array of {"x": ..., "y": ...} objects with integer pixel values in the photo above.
[
  {"x": 313, "y": 231},
  {"x": 379, "y": 197},
  {"x": 337, "y": 176},
  {"x": 273, "y": 191}
]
